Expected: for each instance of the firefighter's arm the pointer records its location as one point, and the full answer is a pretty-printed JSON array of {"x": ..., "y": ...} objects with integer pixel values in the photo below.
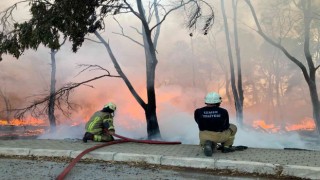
[
  {"x": 196, "y": 116},
  {"x": 108, "y": 124},
  {"x": 227, "y": 124}
]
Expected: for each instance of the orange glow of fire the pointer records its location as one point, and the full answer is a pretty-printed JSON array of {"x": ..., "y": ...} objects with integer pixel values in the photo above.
[
  {"x": 129, "y": 113},
  {"x": 262, "y": 124},
  {"x": 305, "y": 124},
  {"x": 23, "y": 122}
]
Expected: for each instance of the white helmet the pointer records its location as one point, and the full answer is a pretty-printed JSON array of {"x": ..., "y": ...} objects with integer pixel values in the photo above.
[{"x": 212, "y": 98}]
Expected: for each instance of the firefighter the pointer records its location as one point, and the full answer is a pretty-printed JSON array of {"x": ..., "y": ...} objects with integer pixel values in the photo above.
[
  {"x": 99, "y": 122},
  {"x": 214, "y": 126}
]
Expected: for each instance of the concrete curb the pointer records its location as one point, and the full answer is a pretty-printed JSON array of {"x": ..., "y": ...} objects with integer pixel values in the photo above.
[
  {"x": 50, "y": 152},
  {"x": 97, "y": 155},
  {"x": 248, "y": 167},
  {"x": 147, "y": 158},
  {"x": 202, "y": 163},
  {"x": 301, "y": 171},
  {"x": 188, "y": 162},
  {"x": 15, "y": 151}
]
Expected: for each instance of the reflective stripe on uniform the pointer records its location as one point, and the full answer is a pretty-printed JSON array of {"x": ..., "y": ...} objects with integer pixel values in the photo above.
[
  {"x": 93, "y": 123},
  {"x": 97, "y": 138}
]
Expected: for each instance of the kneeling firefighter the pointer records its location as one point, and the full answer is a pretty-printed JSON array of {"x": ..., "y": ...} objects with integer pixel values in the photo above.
[
  {"x": 99, "y": 121},
  {"x": 214, "y": 126}
]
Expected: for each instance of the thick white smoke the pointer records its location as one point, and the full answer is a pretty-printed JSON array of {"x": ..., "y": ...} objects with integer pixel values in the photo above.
[{"x": 176, "y": 125}]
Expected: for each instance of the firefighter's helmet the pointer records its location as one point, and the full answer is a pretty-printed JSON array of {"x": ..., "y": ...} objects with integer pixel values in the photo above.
[
  {"x": 212, "y": 98},
  {"x": 111, "y": 106}
]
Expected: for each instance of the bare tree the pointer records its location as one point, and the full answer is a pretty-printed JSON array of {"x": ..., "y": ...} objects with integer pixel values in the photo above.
[
  {"x": 149, "y": 45},
  {"x": 309, "y": 70},
  {"x": 236, "y": 87},
  {"x": 51, "y": 103},
  {"x": 75, "y": 20}
]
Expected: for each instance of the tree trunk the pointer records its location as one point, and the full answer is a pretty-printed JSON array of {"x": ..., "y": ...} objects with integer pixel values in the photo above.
[
  {"x": 151, "y": 63},
  {"x": 239, "y": 72},
  {"x": 227, "y": 79},
  {"x": 311, "y": 79},
  {"x": 315, "y": 103},
  {"x": 226, "y": 75},
  {"x": 52, "y": 119},
  {"x": 238, "y": 106},
  {"x": 8, "y": 106},
  {"x": 152, "y": 123},
  {"x": 151, "y": 114}
]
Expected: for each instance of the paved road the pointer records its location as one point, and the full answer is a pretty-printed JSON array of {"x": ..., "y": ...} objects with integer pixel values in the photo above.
[
  {"x": 13, "y": 169},
  {"x": 283, "y": 163}
]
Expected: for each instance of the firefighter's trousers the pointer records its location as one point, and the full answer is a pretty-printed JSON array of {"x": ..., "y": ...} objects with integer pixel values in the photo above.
[
  {"x": 225, "y": 137},
  {"x": 102, "y": 137}
]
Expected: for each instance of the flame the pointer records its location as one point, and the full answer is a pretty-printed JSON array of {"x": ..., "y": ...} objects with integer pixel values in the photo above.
[
  {"x": 3, "y": 122},
  {"x": 305, "y": 124},
  {"x": 130, "y": 114},
  {"x": 23, "y": 122},
  {"x": 29, "y": 127},
  {"x": 263, "y": 125}
]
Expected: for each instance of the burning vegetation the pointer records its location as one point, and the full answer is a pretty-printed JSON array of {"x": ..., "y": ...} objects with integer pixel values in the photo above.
[
  {"x": 267, "y": 84},
  {"x": 33, "y": 127},
  {"x": 22, "y": 129},
  {"x": 306, "y": 124}
]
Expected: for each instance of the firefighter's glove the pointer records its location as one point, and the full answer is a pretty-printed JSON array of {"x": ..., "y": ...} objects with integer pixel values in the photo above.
[
  {"x": 111, "y": 132},
  {"x": 106, "y": 125}
]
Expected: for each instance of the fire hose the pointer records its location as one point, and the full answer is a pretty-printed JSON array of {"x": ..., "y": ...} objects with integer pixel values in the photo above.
[{"x": 121, "y": 140}]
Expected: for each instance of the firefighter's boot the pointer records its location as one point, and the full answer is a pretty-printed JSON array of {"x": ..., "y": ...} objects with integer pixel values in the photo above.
[
  {"x": 87, "y": 136},
  {"x": 227, "y": 149},
  {"x": 208, "y": 150}
]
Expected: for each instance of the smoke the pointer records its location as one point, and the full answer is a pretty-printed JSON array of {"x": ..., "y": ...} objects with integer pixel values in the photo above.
[
  {"x": 181, "y": 127},
  {"x": 185, "y": 72},
  {"x": 65, "y": 132},
  {"x": 256, "y": 139},
  {"x": 177, "y": 125}
]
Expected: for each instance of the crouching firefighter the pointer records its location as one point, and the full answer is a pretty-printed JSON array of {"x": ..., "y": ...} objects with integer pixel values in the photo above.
[
  {"x": 99, "y": 122},
  {"x": 214, "y": 127}
]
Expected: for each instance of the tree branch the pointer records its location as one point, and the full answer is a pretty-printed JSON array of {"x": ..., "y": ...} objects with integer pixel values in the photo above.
[
  {"x": 92, "y": 40},
  {"x": 119, "y": 70},
  {"x": 279, "y": 46},
  {"x": 197, "y": 14},
  {"x": 7, "y": 14},
  {"x": 171, "y": 10},
  {"x": 132, "y": 10},
  {"x": 39, "y": 107},
  {"x": 124, "y": 35}
]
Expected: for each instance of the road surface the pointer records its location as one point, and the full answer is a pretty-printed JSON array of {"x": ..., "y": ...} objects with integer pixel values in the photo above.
[{"x": 44, "y": 169}]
